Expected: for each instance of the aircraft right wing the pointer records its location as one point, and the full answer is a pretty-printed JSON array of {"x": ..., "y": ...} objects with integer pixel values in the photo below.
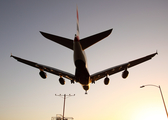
[
  {"x": 46, "y": 68},
  {"x": 116, "y": 69},
  {"x": 88, "y": 41}
]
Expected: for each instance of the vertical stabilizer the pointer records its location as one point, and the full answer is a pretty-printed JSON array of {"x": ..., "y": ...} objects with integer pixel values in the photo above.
[{"x": 77, "y": 34}]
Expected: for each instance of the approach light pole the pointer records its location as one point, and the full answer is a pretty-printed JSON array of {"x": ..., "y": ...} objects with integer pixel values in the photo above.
[
  {"x": 64, "y": 96},
  {"x": 160, "y": 93}
]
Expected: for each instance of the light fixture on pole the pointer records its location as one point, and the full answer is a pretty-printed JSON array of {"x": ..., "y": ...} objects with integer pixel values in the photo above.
[{"x": 160, "y": 93}]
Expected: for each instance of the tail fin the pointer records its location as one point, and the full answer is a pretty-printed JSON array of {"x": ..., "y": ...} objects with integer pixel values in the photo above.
[{"x": 77, "y": 34}]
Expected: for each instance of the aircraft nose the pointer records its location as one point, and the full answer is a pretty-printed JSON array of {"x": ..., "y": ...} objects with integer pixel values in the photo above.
[{"x": 86, "y": 87}]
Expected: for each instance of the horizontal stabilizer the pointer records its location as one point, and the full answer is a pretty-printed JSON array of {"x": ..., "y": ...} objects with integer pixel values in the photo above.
[
  {"x": 87, "y": 42},
  {"x": 60, "y": 40}
]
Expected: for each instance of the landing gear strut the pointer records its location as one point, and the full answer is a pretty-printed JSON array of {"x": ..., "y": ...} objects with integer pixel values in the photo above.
[{"x": 85, "y": 92}]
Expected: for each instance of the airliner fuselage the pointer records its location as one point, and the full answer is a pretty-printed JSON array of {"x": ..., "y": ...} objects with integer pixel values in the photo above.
[{"x": 81, "y": 73}]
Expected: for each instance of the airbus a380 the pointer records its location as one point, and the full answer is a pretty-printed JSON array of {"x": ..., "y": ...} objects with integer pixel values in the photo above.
[{"x": 78, "y": 46}]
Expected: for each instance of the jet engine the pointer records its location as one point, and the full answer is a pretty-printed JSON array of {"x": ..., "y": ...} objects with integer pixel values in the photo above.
[
  {"x": 106, "y": 81},
  {"x": 62, "y": 81},
  {"x": 125, "y": 74},
  {"x": 43, "y": 74}
]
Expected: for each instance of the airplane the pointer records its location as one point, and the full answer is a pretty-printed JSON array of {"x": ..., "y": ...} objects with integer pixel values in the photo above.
[{"x": 82, "y": 74}]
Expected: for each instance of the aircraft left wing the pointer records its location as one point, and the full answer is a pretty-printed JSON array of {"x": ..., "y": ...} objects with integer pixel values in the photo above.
[
  {"x": 116, "y": 69},
  {"x": 46, "y": 68}
]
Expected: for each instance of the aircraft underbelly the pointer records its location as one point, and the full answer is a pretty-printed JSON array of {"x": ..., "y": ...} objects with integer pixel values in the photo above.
[{"x": 81, "y": 73}]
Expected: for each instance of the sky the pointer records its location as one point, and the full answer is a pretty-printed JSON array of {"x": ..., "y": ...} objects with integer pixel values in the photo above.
[{"x": 139, "y": 29}]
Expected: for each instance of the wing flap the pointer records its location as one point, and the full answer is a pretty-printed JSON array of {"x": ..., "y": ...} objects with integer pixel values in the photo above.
[
  {"x": 87, "y": 42},
  {"x": 141, "y": 60},
  {"x": 108, "y": 71},
  {"x": 46, "y": 68},
  {"x": 56, "y": 71},
  {"x": 60, "y": 40}
]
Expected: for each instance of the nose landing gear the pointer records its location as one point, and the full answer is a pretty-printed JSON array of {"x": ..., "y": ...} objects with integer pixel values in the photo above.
[{"x": 86, "y": 92}]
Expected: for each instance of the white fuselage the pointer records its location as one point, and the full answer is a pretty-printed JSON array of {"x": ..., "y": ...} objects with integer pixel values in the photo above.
[
  {"x": 79, "y": 54},
  {"x": 82, "y": 75}
]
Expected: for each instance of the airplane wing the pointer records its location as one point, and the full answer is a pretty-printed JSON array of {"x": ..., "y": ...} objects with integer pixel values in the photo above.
[
  {"x": 86, "y": 42},
  {"x": 46, "y": 68},
  {"x": 60, "y": 40},
  {"x": 116, "y": 69}
]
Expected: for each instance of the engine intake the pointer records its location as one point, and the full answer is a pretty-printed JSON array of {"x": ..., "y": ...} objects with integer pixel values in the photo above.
[
  {"x": 62, "y": 81},
  {"x": 43, "y": 74},
  {"x": 106, "y": 81},
  {"x": 125, "y": 74}
]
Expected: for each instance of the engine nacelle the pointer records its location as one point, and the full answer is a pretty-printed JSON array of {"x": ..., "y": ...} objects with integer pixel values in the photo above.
[
  {"x": 125, "y": 74},
  {"x": 62, "y": 81},
  {"x": 106, "y": 81},
  {"x": 43, "y": 74}
]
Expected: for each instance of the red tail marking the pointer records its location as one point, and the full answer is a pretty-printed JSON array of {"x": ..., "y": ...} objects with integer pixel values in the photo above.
[{"x": 77, "y": 22}]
